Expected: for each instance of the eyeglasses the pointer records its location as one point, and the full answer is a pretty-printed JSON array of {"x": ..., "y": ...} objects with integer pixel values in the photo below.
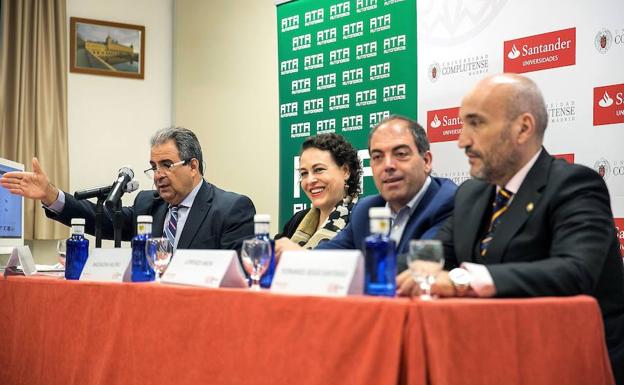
[{"x": 165, "y": 167}]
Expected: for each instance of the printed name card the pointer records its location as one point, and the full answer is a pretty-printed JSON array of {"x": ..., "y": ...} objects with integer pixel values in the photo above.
[
  {"x": 21, "y": 257},
  {"x": 108, "y": 265},
  {"x": 207, "y": 268},
  {"x": 333, "y": 273}
]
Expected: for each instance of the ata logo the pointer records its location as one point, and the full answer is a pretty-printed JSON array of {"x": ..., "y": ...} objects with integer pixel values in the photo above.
[
  {"x": 352, "y": 123},
  {"x": 366, "y": 50},
  {"x": 375, "y": 117},
  {"x": 352, "y": 76},
  {"x": 366, "y": 97},
  {"x": 326, "y": 126},
  {"x": 301, "y": 42},
  {"x": 326, "y": 36},
  {"x": 326, "y": 81},
  {"x": 365, "y": 5},
  {"x": 394, "y": 92},
  {"x": 603, "y": 168},
  {"x": 314, "y": 17},
  {"x": 339, "y": 102},
  {"x": 380, "y": 23},
  {"x": 394, "y": 44},
  {"x": 379, "y": 71},
  {"x": 299, "y": 130},
  {"x": 290, "y": 23},
  {"x": 339, "y": 56},
  {"x": 339, "y": 10},
  {"x": 349, "y": 31},
  {"x": 603, "y": 40}
]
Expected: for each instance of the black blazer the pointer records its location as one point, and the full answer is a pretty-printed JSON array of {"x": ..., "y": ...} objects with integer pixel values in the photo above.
[
  {"x": 556, "y": 239},
  {"x": 217, "y": 220},
  {"x": 291, "y": 226}
]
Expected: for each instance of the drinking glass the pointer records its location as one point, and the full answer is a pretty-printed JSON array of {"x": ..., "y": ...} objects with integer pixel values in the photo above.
[
  {"x": 255, "y": 255},
  {"x": 425, "y": 260},
  {"x": 61, "y": 249},
  {"x": 158, "y": 252}
]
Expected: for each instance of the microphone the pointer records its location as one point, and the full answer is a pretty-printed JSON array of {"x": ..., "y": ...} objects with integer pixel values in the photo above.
[
  {"x": 102, "y": 191},
  {"x": 117, "y": 189}
]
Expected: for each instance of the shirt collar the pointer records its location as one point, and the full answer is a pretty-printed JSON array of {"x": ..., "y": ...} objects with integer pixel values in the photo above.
[
  {"x": 411, "y": 205},
  {"x": 516, "y": 181},
  {"x": 190, "y": 198}
]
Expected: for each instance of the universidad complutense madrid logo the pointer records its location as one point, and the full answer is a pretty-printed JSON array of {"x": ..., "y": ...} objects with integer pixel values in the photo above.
[
  {"x": 444, "y": 125},
  {"x": 609, "y": 104},
  {"x": 540, "y": 52}
]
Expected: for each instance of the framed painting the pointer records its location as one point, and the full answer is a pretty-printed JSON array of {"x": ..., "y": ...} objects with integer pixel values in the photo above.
[{"x": 107, "y": 48}]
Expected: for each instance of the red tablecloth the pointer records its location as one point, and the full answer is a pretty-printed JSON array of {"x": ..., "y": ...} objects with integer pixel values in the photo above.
[{"x": 61, "y": 332}]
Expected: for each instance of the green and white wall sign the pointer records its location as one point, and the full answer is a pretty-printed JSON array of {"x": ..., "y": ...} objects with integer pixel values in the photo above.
[{"x": 343, "y": 66}]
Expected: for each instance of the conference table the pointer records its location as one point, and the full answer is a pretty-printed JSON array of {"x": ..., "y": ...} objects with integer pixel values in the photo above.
[{"x": 54, "y": 331}]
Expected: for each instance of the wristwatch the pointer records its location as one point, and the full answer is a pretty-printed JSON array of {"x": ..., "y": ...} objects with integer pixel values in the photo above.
[{"x": 461, "y": 280}]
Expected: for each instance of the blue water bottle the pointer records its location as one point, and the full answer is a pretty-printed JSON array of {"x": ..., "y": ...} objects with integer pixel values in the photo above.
[
  {"x": 261, "y": 229},
  {"x": 77, "y": 250},
  {"x": 141, "y": 270},
  {"x": 380, "y": 255}
]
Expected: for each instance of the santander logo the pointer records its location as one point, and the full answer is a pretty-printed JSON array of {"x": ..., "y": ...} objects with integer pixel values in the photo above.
[
  {"x": 435, "y": 123},
  {"x": 540, "y": 52},
  {"x": 514, "y": 53},
  {"x": 609, "y": 104},
  {"x": 444, "y": 125},
  {"x": 606, "y": 101}
]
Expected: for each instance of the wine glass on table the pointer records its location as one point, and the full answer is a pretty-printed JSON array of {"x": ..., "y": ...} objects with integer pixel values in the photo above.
[
  {"x": 425, "y": 260},
  {"x": 158, "y": 252},
  {"x": 255, "y": 255},
  {"x": 61, "y": 249}
]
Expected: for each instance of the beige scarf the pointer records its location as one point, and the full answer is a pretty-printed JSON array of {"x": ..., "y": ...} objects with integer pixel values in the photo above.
[{"x": 306, "y": 234}]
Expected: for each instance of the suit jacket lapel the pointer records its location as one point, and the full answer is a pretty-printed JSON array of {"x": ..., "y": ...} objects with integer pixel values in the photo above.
[
  {"x": 196, "y": 215},
  {"x": 420, "y": 211},
  {"x": 469, "y": 222},
  {"x": 520, "y": 208},
  {"x": 159, "y": 214}
]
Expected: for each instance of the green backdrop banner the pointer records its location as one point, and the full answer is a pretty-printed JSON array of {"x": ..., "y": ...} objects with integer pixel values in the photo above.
[{"x": 343, "y": 66}]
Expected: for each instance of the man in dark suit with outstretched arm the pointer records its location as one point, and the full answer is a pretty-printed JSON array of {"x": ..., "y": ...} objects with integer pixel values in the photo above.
[
  {"x": 528, "y": 224},
  {"x": 191, "y": 212}
]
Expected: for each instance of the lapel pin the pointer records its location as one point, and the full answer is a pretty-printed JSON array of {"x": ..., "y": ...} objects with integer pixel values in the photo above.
[{"x": 529, "y": 207}]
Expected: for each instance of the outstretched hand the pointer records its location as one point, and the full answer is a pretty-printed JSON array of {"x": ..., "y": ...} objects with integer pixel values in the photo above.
[{"x": 34, "y": 185}]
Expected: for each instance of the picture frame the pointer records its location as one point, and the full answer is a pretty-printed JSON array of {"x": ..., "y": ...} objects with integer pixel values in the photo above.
[{"x": 107, "y": 48}]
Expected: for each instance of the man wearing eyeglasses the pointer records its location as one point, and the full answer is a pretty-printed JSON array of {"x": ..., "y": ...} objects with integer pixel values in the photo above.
[{"x": 191, "y": 212}]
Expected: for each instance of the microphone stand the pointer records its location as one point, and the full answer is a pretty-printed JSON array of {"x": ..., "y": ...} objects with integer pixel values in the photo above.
[
  {"x": 99, "y": 215},
  {"x": 117, "y": 223}
]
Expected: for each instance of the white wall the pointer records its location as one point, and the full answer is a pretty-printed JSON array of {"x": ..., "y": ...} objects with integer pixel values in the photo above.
[
  {"x": 111, "y": 119},
  {"x": 225, "y": 87}
]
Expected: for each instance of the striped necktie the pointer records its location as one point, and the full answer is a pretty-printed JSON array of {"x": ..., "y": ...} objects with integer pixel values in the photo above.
[
  {"x": 172, "y": 226},
  {"x": 498, "y": 208}
]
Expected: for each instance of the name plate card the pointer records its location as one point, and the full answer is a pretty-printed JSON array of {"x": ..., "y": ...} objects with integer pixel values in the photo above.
[
  {"x": 22, "y": 257},
  {"x": 108, "y": 265},
  {"x": 332, "y": 273},
  {"x": 206, "y": 268}
]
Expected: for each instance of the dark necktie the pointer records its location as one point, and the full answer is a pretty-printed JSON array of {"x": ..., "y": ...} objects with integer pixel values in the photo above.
[
  {"x": 172, "y": 226},
  {"x": 498, "y": 208}
]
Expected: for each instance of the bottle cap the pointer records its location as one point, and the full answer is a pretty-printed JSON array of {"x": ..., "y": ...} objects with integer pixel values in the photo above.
[
  {"x": 144, "y": 219},
  {"x": 379, "y": 213},
  {"x": 78, "y": 221},
  {"x": 263, "y": 218}
]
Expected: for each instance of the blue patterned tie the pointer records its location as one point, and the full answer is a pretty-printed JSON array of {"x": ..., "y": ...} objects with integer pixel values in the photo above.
[
  {"x": 498, "y": 208},
  {"x": 172, "y": 226}
]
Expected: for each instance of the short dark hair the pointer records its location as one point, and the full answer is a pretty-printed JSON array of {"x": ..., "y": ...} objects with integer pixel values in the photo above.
[
  {"x": 418, "y": 133},
  {"x": 343, "y": 153},
  {"x": 184, "y": 139}
]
